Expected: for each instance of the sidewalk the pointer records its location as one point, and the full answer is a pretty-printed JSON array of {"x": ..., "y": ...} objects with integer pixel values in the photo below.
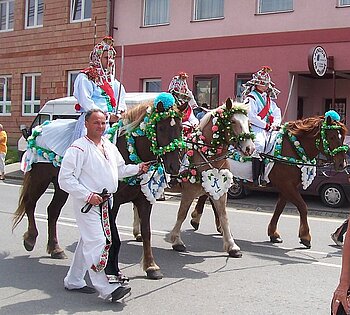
[{"x": 258, "y": 201}]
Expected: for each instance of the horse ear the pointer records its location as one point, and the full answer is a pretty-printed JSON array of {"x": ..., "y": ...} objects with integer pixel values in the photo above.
[
  {"x": 160, "y": 107},
  {"x": 329, "y": 120},
  {"x": 228, "y": 104}
]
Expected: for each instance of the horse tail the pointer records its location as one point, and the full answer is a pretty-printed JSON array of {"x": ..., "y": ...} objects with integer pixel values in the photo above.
[{"x": 21, "y": 210}]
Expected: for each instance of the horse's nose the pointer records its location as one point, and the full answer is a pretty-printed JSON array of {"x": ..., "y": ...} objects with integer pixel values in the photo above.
[{"x": 250, "y": 150}]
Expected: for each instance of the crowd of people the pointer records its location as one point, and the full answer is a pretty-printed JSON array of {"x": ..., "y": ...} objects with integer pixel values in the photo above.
[{"x": 92, "y": 166}]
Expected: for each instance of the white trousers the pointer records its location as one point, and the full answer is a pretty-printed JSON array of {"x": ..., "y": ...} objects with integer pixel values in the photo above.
[
  {"x": 91, "y": 243},
  {"x": 2, "y": 163}
]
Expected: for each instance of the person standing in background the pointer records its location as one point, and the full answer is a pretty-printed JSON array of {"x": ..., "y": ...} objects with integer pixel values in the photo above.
[{"x": 3, "y": 151}]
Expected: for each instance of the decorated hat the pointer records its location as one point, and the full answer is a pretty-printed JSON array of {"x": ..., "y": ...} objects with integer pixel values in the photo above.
[
  {"x": 179, "y": 88},
  {"x": 261, "y": 77}
]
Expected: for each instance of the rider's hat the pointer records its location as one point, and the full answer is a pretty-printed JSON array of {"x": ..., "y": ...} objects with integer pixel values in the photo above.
[{"x": 261, "y": 77}]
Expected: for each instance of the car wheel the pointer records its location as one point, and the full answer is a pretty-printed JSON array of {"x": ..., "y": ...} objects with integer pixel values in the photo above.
[
  {"x": 333, "y": 196},
  {"x": 236, "y": 191}
]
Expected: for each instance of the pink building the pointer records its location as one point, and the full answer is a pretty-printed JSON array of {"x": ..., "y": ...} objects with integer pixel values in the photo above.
[{"x": 220, "y": 43}]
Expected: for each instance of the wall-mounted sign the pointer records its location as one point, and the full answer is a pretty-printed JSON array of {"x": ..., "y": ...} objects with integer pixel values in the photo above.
[{"x": 318, "y": 61}]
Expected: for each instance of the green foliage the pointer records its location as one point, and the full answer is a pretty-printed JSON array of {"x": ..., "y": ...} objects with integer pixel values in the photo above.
[{"x": 11, "y": 156}]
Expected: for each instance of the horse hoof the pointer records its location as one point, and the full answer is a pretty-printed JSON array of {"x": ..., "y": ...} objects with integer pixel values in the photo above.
[
  {"x": 59, "y": 255},
  {"x": 179, "y": 248},
  {"x": 138, "y": 238},
  {"x": 27, "y": 246},
  {"x": 195, "y": 225},
  {"x": 275, "y": 239},
  {"x": 235, "y": 253},
  {"x": 154, "y": 274},
  {"x": 306, "y": 243}
]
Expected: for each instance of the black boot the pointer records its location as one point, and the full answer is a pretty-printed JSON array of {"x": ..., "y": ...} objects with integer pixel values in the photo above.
[
  {"x": 256, "y": 171},
  {"x": 262, "y": 181}
]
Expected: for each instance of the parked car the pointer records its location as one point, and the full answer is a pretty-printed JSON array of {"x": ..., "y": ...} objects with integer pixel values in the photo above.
[{"x": 332, "y": 187}]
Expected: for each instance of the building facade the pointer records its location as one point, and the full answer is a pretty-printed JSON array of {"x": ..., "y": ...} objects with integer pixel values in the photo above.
[
  {"x": 44, "y": 45},
  {"x": 220, "y": 43}
]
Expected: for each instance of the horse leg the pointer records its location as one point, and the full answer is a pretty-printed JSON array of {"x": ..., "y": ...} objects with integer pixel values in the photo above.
[
  {"x": 198, "y": 211},
  {"x": 229, "y": 244},
  {"x": 217, "y": 219},
  {"x": 272, "y": 228},
  {"x": 136, "y": 225},
  {"x": 53, "y": 211},
  {"x": 187, "y": 197},
  {"x": 144, "y": 209},
  {"x": 36, "y": 186}
]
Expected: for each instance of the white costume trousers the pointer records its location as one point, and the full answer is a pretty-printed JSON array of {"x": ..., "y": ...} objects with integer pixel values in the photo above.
[
  {"x": 2, "y": 163},
  {"x": 87, "y": 253}
]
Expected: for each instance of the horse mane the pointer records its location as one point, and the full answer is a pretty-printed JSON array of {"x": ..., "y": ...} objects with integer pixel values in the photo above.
[
  {"x": 134, "y": 116},
  {"x": 310, "y": 125},
  {"x": 235, "y": 106}
]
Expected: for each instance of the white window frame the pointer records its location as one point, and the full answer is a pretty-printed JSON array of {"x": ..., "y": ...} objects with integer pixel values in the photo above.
[
  {"x": 70, "y": 86},
  {"x": 196, "y": 5},
  {"x": 259, "y": 6},
  {"x": 7, "y": 3},
  {"x": 167, "y": 22},
  {"x": 155, "y": 80},
  {"x": 4, "y": 81},
  {"x": 83, "y": 7},
  {"x": 342, "y": 5},
  {"x": 32, "y": 102},
  {"x": 36, "y": 9}
]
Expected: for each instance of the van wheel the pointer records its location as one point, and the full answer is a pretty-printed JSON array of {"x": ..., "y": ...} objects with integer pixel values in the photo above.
[{"x": 236, "y": 191}]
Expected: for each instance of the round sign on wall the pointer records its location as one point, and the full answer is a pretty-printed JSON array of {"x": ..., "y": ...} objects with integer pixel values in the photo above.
[{"x": 318, "y": 61}]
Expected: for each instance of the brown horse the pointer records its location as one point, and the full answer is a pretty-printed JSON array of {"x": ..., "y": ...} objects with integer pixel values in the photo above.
[
  {"x": 298, "y": 145},
  {"x": 36, "y": 181},
  {"x": 206, "y": 152}
]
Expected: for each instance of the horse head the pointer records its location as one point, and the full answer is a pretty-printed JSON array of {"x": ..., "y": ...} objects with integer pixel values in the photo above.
[
  {"x": 331, "y": 141},
  {"x": 166, "y": 138},
  {"x": 229, "y": 126}
]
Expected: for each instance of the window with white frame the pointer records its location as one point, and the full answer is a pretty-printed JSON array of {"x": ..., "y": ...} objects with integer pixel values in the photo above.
[
  {"x": 156, "y": 12},
  {"x": 240, "y": 80},
  {"x": 271, "y": 6},
  {"x": 151, "y": 85},
  {"x": 7, "y": 15},
  {"x": 343, "y": 3},
  {"x": 34, "y": 13},
  {"x": 72, "y": 75},
  {"x": 31, "y": 93},
  {"x": 208, "y": 9},
  {"x": 5, "y": 95},
  {"x": 80, "y": 10}
]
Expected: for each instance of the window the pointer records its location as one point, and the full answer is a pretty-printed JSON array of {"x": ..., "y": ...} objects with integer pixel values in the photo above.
[
  {"x": 344, "y": 3},
  {"x": 339, "y": 106},
  {"x": 72, "y": 75},
  {"x": 5, "y": 95},
  {"x": 156, "y": 12},
  {"x": 31, "y": 94},
  {"x": 206, "y": 90},
  {"x": 240, "y": 80},
  {"x": 80, "y": 10},
  {"x": 151, "y": 85},
  {"x": 34, "y": 13},
  {"x": 6, "y": 15},
  {"x": 208, "y": 9},
  {"x": 270, "y": 6}
]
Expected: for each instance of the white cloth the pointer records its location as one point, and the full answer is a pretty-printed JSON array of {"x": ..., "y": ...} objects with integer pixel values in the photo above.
[
  {"x": 257, "y": 123},
  {"x": 2, "y": 163},
  {"x": 86, "y": 170}
]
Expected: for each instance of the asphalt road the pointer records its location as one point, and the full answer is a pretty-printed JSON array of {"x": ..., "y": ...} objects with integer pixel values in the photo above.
[{"x": 268, "y": 279}]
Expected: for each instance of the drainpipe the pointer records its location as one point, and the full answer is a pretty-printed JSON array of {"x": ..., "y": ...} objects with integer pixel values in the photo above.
[{"x": 111, "y": 17}]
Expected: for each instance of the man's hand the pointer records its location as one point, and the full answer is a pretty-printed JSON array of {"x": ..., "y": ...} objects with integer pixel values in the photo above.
[
  {"x": 144, "y": 167},
  {"x": 95, "y": 200}
]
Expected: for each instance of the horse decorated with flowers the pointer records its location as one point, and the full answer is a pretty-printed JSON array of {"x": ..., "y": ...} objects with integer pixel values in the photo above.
[
  {"x": 293, "y": 163},
  {"x": 205, "y": 169},
  {"x": 148, "y": 132}
]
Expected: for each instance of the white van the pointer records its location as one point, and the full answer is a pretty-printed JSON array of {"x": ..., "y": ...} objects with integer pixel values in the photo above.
[{"x": 64, "y": 108}]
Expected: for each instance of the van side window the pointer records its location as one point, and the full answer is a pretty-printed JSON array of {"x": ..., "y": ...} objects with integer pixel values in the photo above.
[{"x": 39, "y": 119}]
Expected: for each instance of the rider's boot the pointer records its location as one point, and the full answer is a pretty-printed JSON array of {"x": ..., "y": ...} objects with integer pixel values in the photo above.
[
  {"x": 262, "y": 181},
  {"x": 255, "y": 171}
]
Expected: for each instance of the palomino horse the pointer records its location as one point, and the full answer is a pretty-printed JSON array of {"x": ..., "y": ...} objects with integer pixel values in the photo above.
[
  {"x": 167, "y": 129},
  {"x": 206, "y": 156},
  {"x": 298, "y": 144}
]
